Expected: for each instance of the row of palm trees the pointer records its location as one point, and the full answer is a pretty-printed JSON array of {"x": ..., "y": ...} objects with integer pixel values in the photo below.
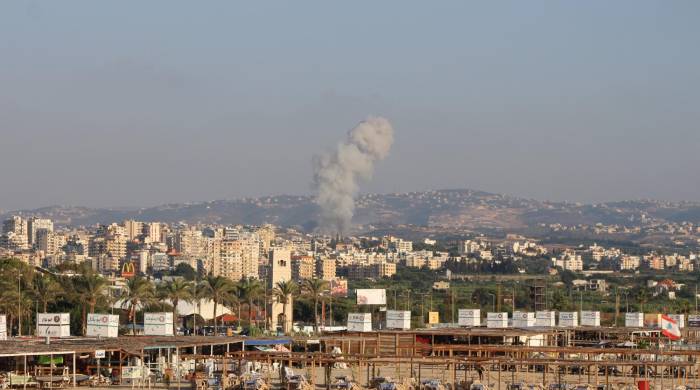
[
  {"x": 221, "y": 291},
  {"x": 23, "y": 291}
]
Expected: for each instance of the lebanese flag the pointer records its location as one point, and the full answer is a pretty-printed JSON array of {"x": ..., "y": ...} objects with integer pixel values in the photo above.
[{"x": 670, "y": 328}]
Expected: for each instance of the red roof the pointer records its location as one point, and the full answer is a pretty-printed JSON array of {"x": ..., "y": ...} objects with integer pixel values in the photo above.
[
  {"x": 226, "y": 318},
  {"x": 667, "y": 282}
]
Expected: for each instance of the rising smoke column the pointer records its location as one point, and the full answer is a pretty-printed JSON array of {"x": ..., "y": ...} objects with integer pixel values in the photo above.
[{"x": 337, "y": 175}]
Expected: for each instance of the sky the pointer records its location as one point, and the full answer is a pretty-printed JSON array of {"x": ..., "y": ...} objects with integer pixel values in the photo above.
[{"x": 140, "y": 103}]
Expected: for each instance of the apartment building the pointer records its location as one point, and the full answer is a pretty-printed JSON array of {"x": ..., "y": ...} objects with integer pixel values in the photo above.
[
  {"x": 303, "y": 267},
  {"x": 325, "y": 268},
  {"x": 34, "y": 224},
  {"x": 49, "y": 242}
]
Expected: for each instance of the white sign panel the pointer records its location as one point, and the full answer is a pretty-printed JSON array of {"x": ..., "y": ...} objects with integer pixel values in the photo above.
[
  {"x": 694, "y": 320},
  {"x": 469, "y": 317},
  {"x": 158, "y": 324},
  {"x": 102, "y": 325},
  {"x": 360, "y": 322},
  {"x": 100, "y": 354},
  {"x": 568, "y": 319},
  {"x": 53, "y": 318},
  {"x": 3, "y": 327},
  {"x": 634, "y": 320},
  {"x": 497, "y": 320},
  {"x": 53, "y": 324},
  {"x": 523, "y": 319},
  {"x": 546, "y": 318},
  {"x": 158, "y": 318},
  {"x": 398, "y": 319},
  {"x": 371, "y": 296},
  {"x": 590, "y": 318}
]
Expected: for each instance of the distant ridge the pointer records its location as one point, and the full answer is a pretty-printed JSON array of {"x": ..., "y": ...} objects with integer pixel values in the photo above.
[{"x": 450, "y": 207}]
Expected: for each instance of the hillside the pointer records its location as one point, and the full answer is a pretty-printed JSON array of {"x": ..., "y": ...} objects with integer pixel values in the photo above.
[{"x": 457, "y": 208}]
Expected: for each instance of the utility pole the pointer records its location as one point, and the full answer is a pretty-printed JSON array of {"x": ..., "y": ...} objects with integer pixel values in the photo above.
[
  {"x": 19, "y": 303},
  {"x": 194, "y": 316},
  {"x": 580, "y": 308},
  {"x": 498, "y": 298},
  {"x": 617, "y": 305}
]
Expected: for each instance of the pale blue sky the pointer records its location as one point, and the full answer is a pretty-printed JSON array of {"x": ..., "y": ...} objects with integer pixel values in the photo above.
[{"x": 144, "y": 102}]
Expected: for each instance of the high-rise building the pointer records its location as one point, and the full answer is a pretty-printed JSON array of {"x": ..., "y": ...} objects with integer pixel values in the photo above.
[
  {"x": 15, "y": 233},
  {"x": 152, "y": 231},
  {"x": 303, "y": 267},
  {"x": 235, "y": 259},
  {"x": 229, "y": 262},
  {"x": 190, "y": 242},
  {"x": 133, "y": 229},
  {"x": 15, "y": 224},
  {"x": 34, "y": 224},
  {"x": 266, "y": 234},
  {"x": 280, "y": 271},
  {"x": 160, "y": 261},
  {"x": 325, "y": 268},
  {"x": 49, "y": 242},
  {"x": 109, "y": 240}
]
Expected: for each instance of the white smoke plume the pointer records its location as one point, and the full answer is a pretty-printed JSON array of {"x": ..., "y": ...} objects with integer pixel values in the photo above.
[{"x": 337, "y": 175}]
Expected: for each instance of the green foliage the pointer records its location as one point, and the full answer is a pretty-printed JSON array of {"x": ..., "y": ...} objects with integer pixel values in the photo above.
[
  {"x": 186, "y": 271},
  {"x": 559, "y": 300}
]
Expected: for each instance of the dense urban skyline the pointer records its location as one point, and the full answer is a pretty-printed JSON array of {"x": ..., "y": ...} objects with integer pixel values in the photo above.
[{"x": 174, "y": 102}]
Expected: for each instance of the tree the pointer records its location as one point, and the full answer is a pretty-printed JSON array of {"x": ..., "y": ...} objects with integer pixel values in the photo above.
[
  {"x": 233, "y": 303},
  {"x": 314, "y": 289},
  {"x": 217, "y": 288},
  {"x": 642, "y": 297},
  {"x": 567, "y": 277},
  {"x": 16, "y": 289},
  {"x": 250, "y": 290},
  {"x": 175, "y": 290},
  {"x": 89, "y": 288},
  {"x": 284, "y": 292},
  {"x": 186, "y": 271},
  {"x": 45, "y": 289},
  {"x": 482, "y": 296},
  {"x": 559, "y": 300},
  {"x": 199, "y": 293},
  {"x": 137, "y": 292}
]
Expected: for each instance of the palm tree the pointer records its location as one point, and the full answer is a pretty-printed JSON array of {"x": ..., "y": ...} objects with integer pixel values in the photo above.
[
  {"x": 250, "y": 290},
  {"x": 233, "y": 303},
  {"x": 89, "y": 289},
  {"x": 175, "y": 290},
  {"x": 284, "y": 292},
  {"x": 137, "y": 292},
  {"x": 642, "y": 297},
  {"x": 16, "y": 282},
  {"x": 46, "y": 289},
  {"x": 314, "y": 288},
  {"x": 199, "y": 293},
  {"x": 217, "y": 288},
  {"x": 9, "y": 305}
]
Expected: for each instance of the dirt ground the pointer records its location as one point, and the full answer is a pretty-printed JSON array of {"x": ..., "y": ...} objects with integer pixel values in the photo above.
[{"x": 493, "y": 379}]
